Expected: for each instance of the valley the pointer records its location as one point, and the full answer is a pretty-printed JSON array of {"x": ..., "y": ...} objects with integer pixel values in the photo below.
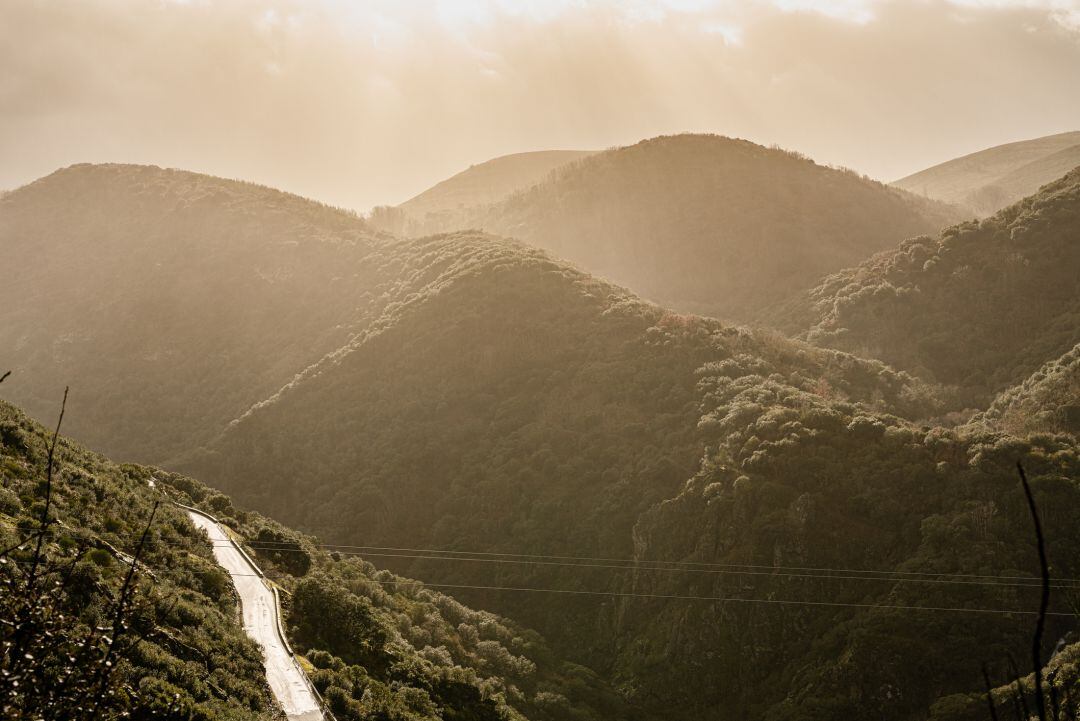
[{"x": 514, "y": 416}]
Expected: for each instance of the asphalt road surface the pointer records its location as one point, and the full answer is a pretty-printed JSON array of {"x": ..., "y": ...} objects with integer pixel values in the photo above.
[{"x": 286, "y": 680}]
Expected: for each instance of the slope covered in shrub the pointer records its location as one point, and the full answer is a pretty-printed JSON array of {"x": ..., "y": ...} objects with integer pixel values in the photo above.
[
  {"x": 195, "y": 658},
  {"x": 1048, "y": 401},
  {"x": 829, "y": 528},
  {"x": 980, "y": 307},
  {"x": 382, "y": 646}
]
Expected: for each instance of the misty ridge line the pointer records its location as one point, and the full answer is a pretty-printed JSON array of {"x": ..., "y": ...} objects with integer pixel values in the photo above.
[{"x": 625, "y": 74}]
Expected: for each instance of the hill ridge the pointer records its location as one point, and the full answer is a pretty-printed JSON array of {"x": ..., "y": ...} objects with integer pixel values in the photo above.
[{"x": 703, "y": 223}]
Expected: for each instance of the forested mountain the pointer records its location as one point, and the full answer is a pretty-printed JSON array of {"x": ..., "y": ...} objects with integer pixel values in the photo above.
[
  {"x": 172, "y": 301},
  {"x": 379, "y": 646},
  {"x": 979, "y": 307},
  {"x": 479, "y": 185},
  {"x": 520, "y": 408},
  {"x": 988, "y": 180},
  {"x": 665, "y": 484},
  {"x": 796, "y": 483},
  {"x": 707, "y": 224}
]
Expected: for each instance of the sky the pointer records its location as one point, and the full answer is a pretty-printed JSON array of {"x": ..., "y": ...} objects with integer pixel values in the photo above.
[{"x": 366, "y": 102}]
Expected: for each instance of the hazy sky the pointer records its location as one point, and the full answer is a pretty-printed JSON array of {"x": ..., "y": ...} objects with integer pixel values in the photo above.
[{"x": 361, "y": 102}]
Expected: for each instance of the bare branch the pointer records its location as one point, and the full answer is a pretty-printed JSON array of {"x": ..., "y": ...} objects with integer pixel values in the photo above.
[
  {"x": 1020, "y": 697},
  {"x": 1044, "y": 601},
  {"x": 989, "y": 694},
  {"x": 121, "y": 606},
  {"x": 51, "y": 447},
  {"x": 2, "y": 377}
]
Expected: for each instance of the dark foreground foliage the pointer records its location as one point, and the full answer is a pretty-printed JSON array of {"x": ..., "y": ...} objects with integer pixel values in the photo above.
[
  {"x": 113, "y": 608},
  {"x": 168, "y": 645}
]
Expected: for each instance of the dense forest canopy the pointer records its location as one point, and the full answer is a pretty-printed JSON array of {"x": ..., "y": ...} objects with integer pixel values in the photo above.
[
  {"x": 703, "y": 223},
  {"x": 980, "y": 307}
]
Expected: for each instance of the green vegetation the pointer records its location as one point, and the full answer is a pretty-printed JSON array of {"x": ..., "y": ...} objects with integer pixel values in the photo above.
[
  {"x": 795, "y": 481},
  {"x": 706, "y": 224},
  {"x": 514, "y": 404},
  {"x": 170, "y": 302},
  {"x": 980, "y": 308},
  {"x": 468, "y": 393},
  {"x": 194, "y": 661},
  {"x": 1047, "y": 402},
  {"x": 385, "y": 647}
]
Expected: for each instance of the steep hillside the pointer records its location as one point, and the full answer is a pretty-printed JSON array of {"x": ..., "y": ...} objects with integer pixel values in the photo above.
[
  {"x": 382, "y": 646},
  {"x": 1047, "y": 402},
  {"x": 1027, "y": 179},
  {"x": 520, "y": 433},
  {"x": 529, "y": 427},
  {"x": 988, "y": 180},
  {"x": 172, "y": 301},
  {"x": 194, "y": 655},
  {"x": 980, "y": 307},
  {"x": 707, "y": 224},
  {"x": 823, "y": 525},
  {"x": 483, "y": 184}
]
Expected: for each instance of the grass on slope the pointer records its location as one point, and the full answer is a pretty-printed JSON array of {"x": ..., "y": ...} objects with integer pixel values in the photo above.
[{"x": 988, "y": 180}]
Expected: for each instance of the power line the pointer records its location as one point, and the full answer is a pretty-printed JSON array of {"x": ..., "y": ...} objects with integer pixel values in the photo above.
[
  {"x": 716, "y": 599},
  {"x": 632, "y": 562},
  {"x": 1035, "y": 583},
  {"x": 670, "y": 566},
  {"x": 687, "y": 597},
  {"x": 727, "y": 599}
]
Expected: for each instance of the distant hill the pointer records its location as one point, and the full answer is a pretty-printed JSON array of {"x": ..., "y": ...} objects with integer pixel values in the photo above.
[
  {"x": 988, "y": 180},
  {"x": 478, "y": 185},
  {"x": 979, "y": 307},
  {"x": 491, "y": 180},
  {"x": 707, "y": 224},
  {"x": 172, "y": 301}
]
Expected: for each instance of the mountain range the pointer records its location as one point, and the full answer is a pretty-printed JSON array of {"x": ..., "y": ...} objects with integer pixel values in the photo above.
[
  {"x": 702, "y": 223},
  {"x": 720, "y": 522}
]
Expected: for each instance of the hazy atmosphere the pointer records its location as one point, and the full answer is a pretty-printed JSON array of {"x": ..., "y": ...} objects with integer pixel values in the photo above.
[
  {"x": 366, "y": 103},
  {"x": 564, "y": 360}
]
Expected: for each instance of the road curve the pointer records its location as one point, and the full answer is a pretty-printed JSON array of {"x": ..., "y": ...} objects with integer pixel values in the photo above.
[{"x": 260, "y": 613}]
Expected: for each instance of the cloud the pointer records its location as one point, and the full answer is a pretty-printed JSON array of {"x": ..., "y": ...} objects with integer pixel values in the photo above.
[{"x": 359, "y": 103}]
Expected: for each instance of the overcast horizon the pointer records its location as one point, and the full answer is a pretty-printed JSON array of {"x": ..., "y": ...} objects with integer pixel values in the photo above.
[{"x": 389, "y": 98}]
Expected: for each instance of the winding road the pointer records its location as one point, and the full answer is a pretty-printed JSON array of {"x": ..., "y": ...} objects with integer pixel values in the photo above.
[{"x": 260, "y": 611}]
